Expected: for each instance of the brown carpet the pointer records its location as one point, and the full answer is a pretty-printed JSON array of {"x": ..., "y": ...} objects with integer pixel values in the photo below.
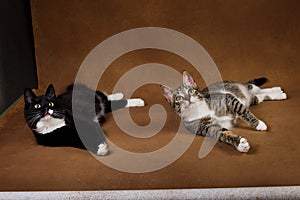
[{"x": 246, "y": 39}]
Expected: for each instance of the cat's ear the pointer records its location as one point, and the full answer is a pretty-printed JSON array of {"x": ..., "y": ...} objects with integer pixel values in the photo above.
[
  {"x": 167, "y": 92},
  {"x": 28, "y": 95},
  {"x": 188, "y": 80},
  {"x": 50, "y": 92}
]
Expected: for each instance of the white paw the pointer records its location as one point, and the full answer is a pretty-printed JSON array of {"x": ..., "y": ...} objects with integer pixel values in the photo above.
[
  {"x": 102, "y": 149},
  {"x": 276, "y": 89},
  {"x": 135, "y": 103},
  {"x": 243, "y": 146},
  {"x": 261, "y": 126},
  {"x": 283, "y": 96},
  {"x": 278, "y": 96},
  {"x": 115, "y": 97}
]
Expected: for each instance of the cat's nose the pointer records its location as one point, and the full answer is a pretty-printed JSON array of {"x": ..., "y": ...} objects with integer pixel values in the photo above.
[
  {"x": 193, "y": 100},
  {"x": 186, "y": 104},
  {"x": 49, "y": 112}
]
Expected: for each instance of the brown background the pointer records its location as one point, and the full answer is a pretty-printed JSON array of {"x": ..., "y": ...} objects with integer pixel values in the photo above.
[{"x": 246, "y": 39}]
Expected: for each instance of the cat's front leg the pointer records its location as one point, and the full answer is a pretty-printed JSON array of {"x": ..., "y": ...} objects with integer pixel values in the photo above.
[
  {"x": 92, "y": 137},
  {"x": 243, "y": 145},
  {"x": 102, "y": 149},
  {"x": 261, "y": 126},
  {"x": 210, "y": 128},
  {"x": 240, "y": 143},
  {"x": 235, "y": 107}
]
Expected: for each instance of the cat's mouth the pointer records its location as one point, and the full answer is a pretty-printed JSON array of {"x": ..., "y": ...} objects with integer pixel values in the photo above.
[
  {"x": 46, "y": 118},
  {"x": 189, "y": 104}
]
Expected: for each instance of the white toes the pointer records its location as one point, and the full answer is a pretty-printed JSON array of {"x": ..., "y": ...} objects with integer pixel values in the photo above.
[
  {"x": 270, "y": 90},
  {"x": 261, "y": 126},
  {"x": 283, "y": 96},
  {"x": 276, "y": 89},
  {"x": 274, "y": 93},
  {"x": 115, "y": 97},
  {"x": 135, "y": 103},
  {"x": 102, "y": 149},
  {"x": 243, "y": 146},
  {"x": 278, "y": 96}
]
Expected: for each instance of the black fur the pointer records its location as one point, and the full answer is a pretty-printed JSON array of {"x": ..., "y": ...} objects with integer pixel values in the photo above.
[
  {"x": 37, "y": 107},
  {"x": 258, "y": 81}
]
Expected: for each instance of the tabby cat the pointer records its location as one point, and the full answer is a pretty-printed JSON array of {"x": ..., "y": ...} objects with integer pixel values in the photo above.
[
  {"x": 51, "y": 119},
  {"x": 213, "y": 111}
]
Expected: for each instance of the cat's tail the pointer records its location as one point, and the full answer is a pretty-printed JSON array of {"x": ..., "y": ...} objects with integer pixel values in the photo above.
[{"x": 258, "y": 81}]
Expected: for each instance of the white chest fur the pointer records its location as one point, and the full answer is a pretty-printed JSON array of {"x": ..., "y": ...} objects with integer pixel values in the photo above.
[
  {"x": 48, "y": 124},
  {"x": 196, "y": 111},
  {"x": 200, "y": 109}
]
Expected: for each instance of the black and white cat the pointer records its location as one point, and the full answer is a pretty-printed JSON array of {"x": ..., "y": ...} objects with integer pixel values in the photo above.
[{"x": 51, "y": 119}]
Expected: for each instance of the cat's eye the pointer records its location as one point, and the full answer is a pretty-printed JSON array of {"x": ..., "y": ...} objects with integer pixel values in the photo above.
[
  {"x": 179, "y": 98},
  {"x": 191, "y": 91},
  {"x": 51, "y": 104},
  {"x": 37, "y": 106}
]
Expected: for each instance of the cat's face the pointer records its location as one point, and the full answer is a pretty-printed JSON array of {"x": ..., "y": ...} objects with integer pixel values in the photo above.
[
  {"x": 41, "y": 108},
  {"x": 184, "y": 97}
]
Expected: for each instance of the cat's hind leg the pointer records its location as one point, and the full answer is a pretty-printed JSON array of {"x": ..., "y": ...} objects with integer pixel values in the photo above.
[
  {"x": 115, "y": 96},
  {"x": 270, "y": 90},
  {"x": 127, "y": 103},
  {"x": 274, "y": 93},
  {"x": 259, "y": 95},
  {"x": 124, "y": 103},
  {"x": 137, "y": 102},
  {"x": 271, "y": 96}
]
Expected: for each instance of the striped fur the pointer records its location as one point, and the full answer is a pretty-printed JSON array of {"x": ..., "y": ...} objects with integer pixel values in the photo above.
[{"x": 213, "y": 111}]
